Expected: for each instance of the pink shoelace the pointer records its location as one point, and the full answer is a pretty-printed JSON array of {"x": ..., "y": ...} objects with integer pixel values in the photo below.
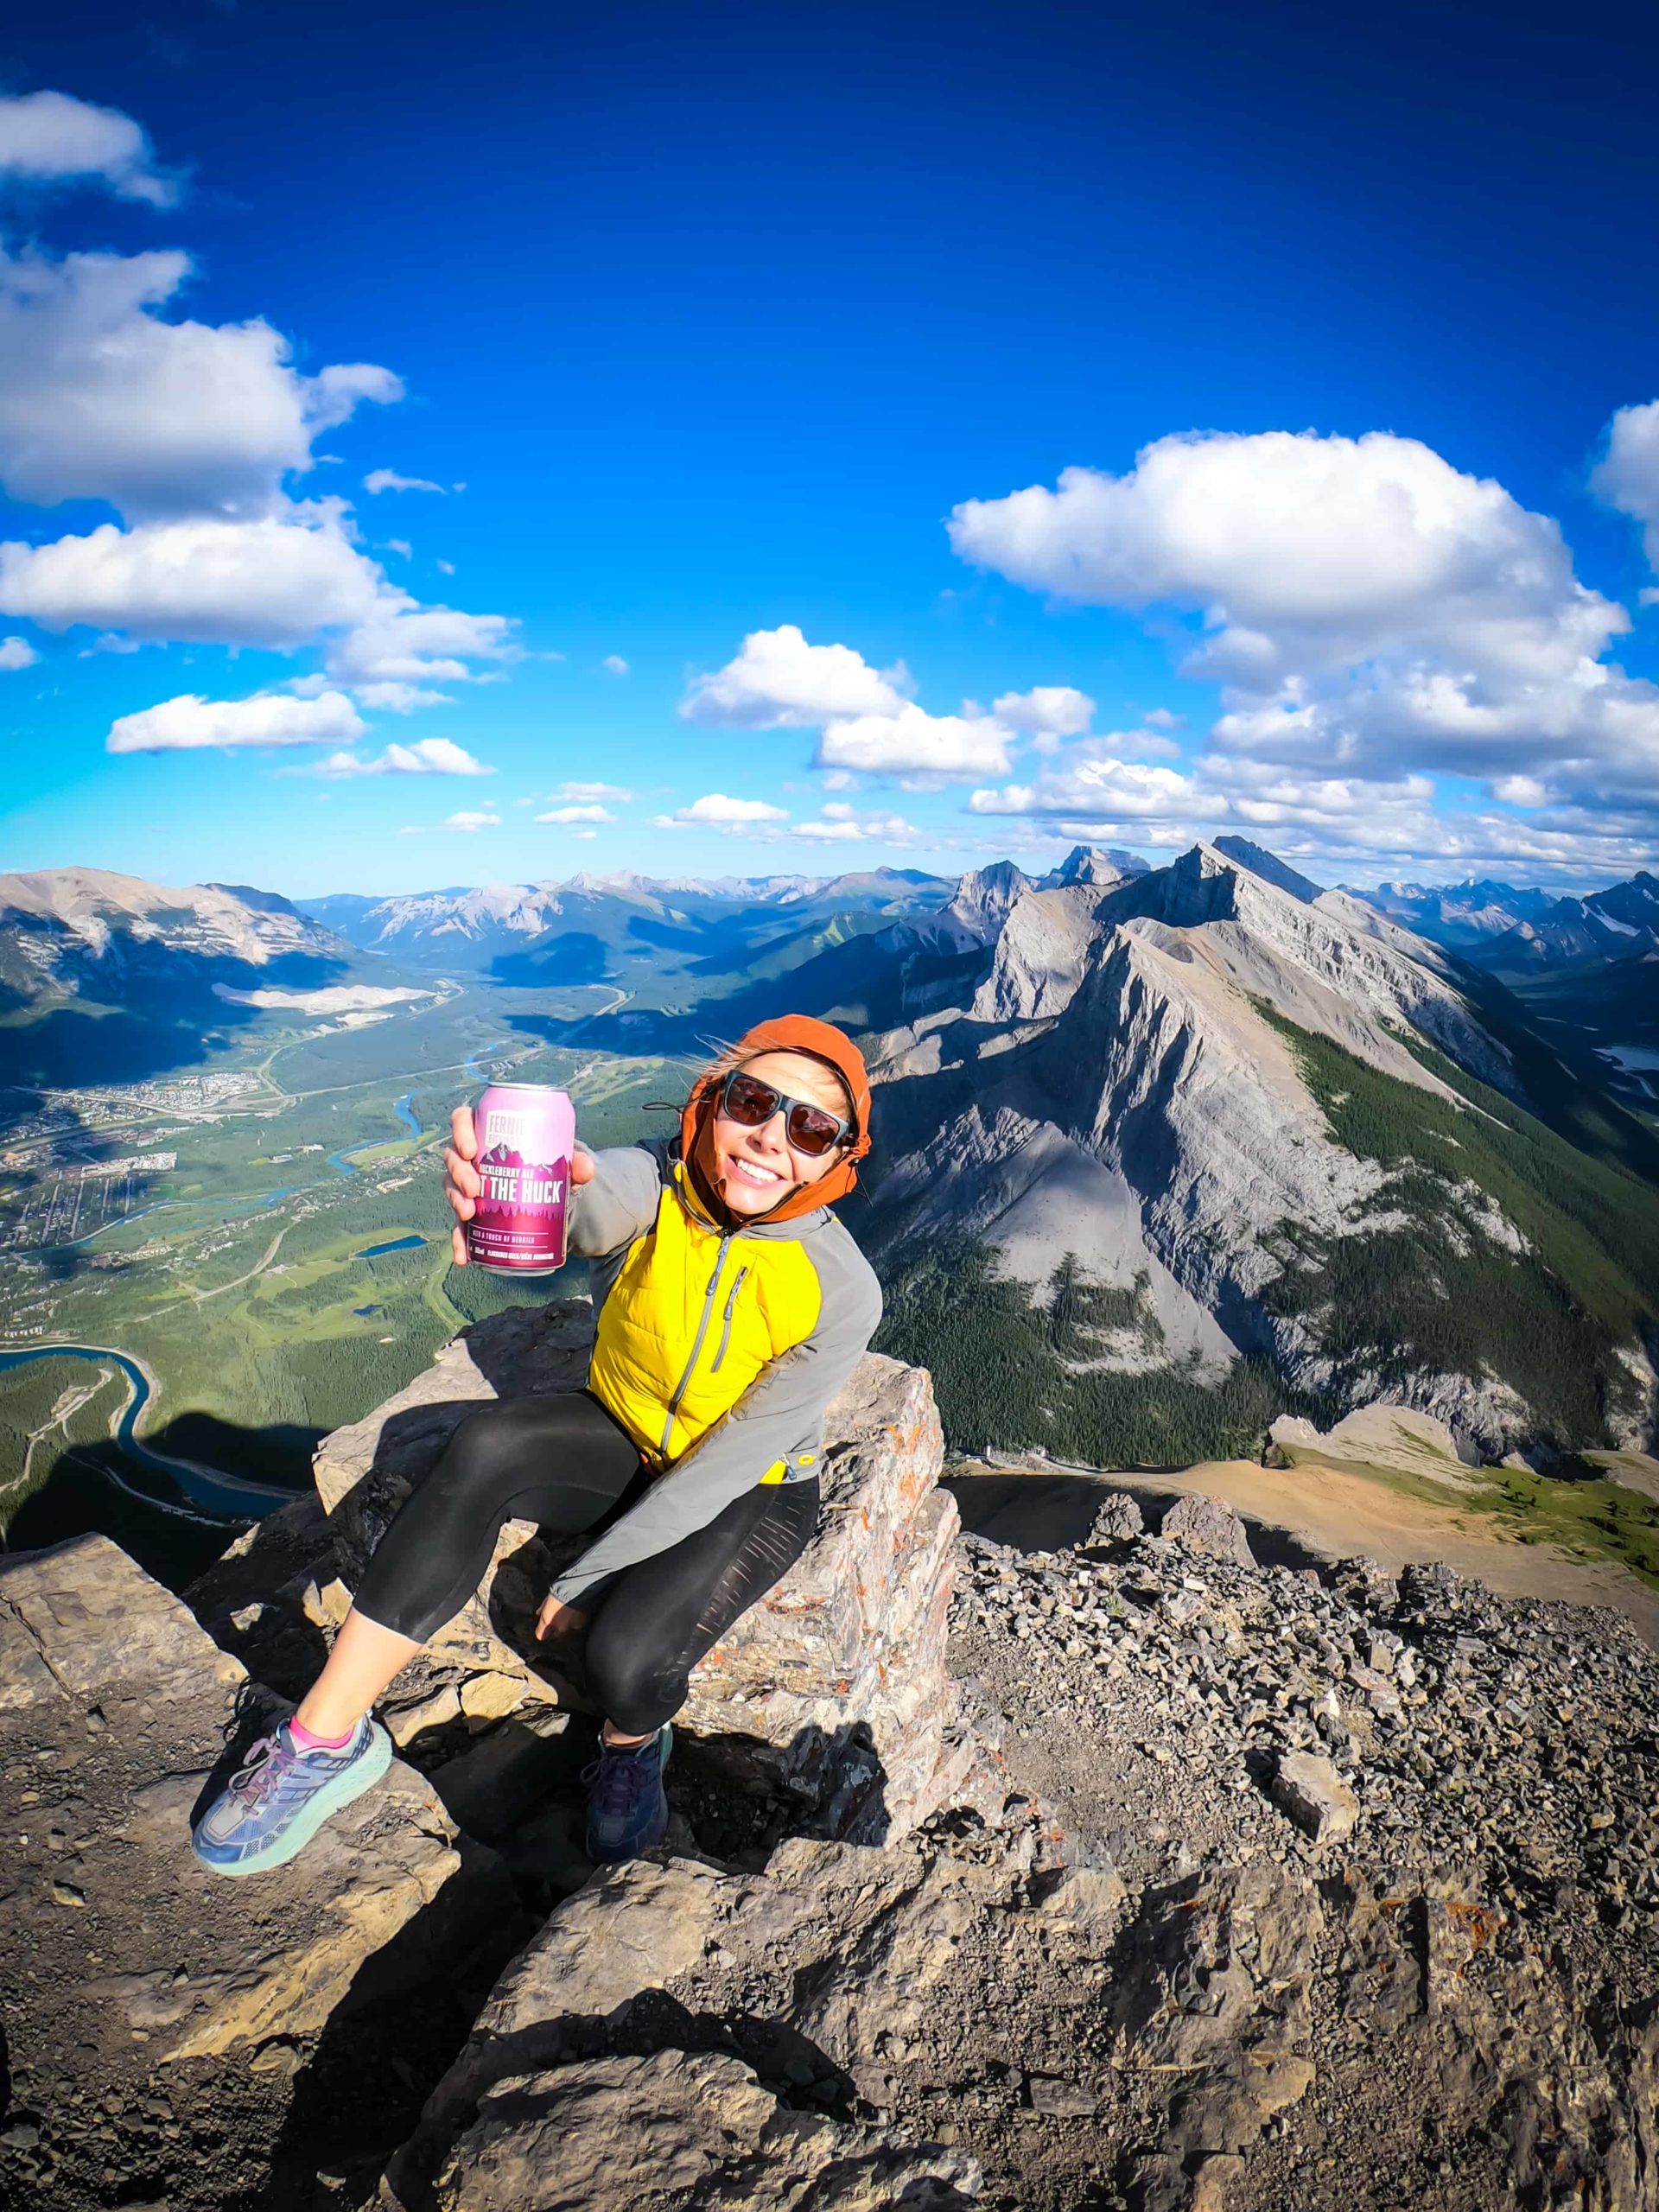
[{"x": 269, "y": 1761}]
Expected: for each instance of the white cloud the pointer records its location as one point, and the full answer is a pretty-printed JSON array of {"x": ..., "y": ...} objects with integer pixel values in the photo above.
[
  {"x": 567, "y": 815},
  {"x": 1093, "y": 780},
  {"x": 401, "y": 545},
  {"x": 615, "y": 791},
  {"x": 910, "y": 742},
  {"x": 427, "y": 756},
  {"x": 1365, "y": 606},
  {"x": 446, "y": 567},
  {"x": 274, "y": 580},
  {"x": 403, "y": 642},
  {"x": 188, "y": 723},
  {"x": 470, "y": 820},
  {"x": 1627, "y": 476},
  {"x": 843, "y": 825},
  {"x": 16, "y": 652},
  {"x": 615, "y": 664},
  {"x": 1161, "y": 718},
  {"x": 779, "y": 682},
  {"x": 399, "y": 698},
  {"x": 715, "y": 810},
  {"x": 1050, "y": 710},
  {"x": 388, "y": 479},
  {"x": 100, "y": 398},
  {"x": 50, "y": 138}
]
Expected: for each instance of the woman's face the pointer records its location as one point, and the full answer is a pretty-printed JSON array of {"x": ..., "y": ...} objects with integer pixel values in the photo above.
[{"x": 757, "y": 1168}]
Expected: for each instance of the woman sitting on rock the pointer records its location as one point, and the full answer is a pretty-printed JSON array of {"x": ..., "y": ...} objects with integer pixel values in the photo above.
[{"x": 732, "y": 1306}]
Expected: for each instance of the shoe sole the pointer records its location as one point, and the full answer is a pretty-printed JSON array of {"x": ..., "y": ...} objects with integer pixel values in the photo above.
[
  {"x": 662, "y": 1769},
  {"x": 362, "y": 1774}
]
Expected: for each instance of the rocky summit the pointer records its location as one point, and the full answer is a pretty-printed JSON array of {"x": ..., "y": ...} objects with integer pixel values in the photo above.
[{"x": 1190, "y": 1883}]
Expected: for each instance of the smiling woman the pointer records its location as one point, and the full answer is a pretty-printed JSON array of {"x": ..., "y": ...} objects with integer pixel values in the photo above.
[{"x": 732, "y": 1306}]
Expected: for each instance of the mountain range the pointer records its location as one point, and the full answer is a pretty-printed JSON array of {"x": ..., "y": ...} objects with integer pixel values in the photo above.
[
  {"x": 1523, "y": 933},
  {"x": 1162, "y": 1152}
]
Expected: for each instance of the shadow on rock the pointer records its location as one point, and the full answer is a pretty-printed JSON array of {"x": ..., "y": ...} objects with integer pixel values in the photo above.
[{"x": 359, "y": 2089}]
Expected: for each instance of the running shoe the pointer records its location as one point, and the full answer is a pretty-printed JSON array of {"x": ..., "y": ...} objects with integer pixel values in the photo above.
[
  {"x": 628, "y": 1811},
  {"x": 277, "y": 1800}
]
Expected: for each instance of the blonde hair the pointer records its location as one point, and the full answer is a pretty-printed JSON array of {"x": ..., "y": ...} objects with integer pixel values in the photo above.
[{"x": 729, "y": 1056}]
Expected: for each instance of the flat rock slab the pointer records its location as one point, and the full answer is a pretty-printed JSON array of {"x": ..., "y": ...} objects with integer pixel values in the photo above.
[
  {"x": 1308, "y": 1789},
  {"x": 124, "y": 1963}
]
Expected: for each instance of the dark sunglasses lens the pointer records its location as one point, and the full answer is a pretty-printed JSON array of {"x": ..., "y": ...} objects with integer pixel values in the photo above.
[
  {"x": 810, "y": 1130},
  {"x": 750, "y": 1101}
]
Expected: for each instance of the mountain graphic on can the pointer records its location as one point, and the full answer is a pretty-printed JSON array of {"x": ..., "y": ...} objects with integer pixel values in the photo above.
[{"x": 526, "y": 1134}]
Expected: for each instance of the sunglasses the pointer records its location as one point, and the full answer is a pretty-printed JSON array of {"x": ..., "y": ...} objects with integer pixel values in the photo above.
[{"x": 812, "y": 1131}]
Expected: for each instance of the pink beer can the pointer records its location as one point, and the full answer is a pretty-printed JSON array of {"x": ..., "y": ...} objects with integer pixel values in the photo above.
[{"x": 526, "y": 1134}]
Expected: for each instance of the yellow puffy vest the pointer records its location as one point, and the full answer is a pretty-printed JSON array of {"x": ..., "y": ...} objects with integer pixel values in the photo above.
[{"x": 693, "y": 1318}]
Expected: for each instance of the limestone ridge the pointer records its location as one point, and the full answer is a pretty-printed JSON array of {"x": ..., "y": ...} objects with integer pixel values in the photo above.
[
  {"x": 71, "y": 931},
  {"x": 1119, "y": 1085}
]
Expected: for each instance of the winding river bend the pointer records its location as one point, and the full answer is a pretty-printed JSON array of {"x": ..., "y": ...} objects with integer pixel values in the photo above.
[{"x": 219, "y": 1496}]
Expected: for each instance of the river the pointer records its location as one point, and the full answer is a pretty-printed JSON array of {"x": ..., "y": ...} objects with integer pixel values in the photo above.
[{"x": 224, "y": 1497}]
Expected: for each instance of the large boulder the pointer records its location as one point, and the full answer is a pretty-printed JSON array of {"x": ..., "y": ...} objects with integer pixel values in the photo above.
[
  {"x": 124, "y": 1959},
  {"x": 832, "y": 1689},
  {"x": 690, "y": 2130},
  {"x": 823, "y": 1977}
]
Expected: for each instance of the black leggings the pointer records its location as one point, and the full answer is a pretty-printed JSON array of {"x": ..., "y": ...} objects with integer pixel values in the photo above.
[{"x": 564, "y": 1463}]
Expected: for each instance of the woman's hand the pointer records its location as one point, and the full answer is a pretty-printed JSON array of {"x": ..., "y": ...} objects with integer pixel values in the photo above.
[
  {"x": 558, "y": 1620},
  {"x": 461, "y": 1178}
]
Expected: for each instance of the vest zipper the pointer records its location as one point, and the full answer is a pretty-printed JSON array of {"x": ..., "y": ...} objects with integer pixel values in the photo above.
[
  {"x": 681, "y": 1387},
  {"x": 726, "y": 1326}
]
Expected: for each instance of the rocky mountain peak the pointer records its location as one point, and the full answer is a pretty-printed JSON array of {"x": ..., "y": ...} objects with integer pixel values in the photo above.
[
  {"x": 984, "y": 897},
  {"x": 1104, "y": 865}
]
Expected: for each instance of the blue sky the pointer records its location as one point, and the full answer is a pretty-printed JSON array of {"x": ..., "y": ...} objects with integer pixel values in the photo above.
[{"x": 783, "y": 325}]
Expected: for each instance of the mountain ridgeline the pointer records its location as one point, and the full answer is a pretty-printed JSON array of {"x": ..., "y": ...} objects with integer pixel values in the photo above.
[
  {"x": 1213, "y": 1139},
  {"x": 1161, "y": 1153}
]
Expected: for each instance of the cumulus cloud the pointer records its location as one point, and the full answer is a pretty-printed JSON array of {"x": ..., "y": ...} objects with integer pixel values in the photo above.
[
  {"x": 840, "y": 824},
  {"x": 867, "y": 723},
  {"x": 912, "y": 743},
  {"x": 779, "y": 682},
  {"x": 1364, "y": 606},
  {"x": 388, "y": 479},
  {"x": 51, "y": 138},
  {"x": 1627, "y": 476},
  {"x": 1092, "y": 780},
  {"x": 716, "y": 810},
  {"x": 274, "y": 580},
  {"x": 188, "y": 723},
  {"x": 427, "y": 756},
  {"x": 404, "y": 642},
  {"x": 16, "y": 652},
  {"x": 1051, "y": 710},
  {"x": 569, "y": 814},
  {"x": 614, "y": 663},
  {"x": 102, "y": 398},
  {"x": 471, "y": 820}
]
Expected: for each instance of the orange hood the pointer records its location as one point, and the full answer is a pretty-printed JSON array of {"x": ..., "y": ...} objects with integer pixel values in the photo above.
[{"x": 790, "y": 1032}]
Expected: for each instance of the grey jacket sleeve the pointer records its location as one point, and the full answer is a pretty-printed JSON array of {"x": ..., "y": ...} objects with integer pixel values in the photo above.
[
  {"x": 779, "y": 1417},
  {"x": 618, "y": 1205}
]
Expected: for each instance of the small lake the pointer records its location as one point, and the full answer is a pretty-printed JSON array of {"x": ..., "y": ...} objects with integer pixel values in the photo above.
[{"x": 397, "y": 1245}]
